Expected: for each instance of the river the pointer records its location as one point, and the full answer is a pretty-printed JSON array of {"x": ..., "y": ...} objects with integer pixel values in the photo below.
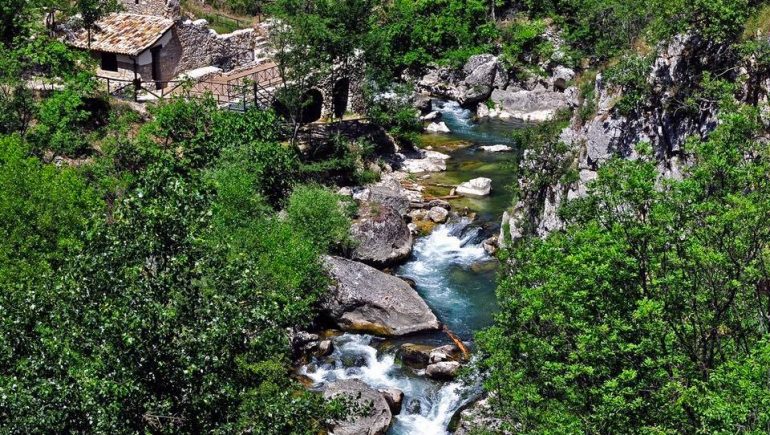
[{"x": 451, "y": 271}]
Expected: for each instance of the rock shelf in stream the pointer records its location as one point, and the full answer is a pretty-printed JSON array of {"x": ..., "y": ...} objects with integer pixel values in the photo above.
[{"x": 363, "y": 299}]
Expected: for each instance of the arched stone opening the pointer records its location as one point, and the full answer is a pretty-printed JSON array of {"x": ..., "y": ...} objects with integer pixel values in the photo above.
[
  {"x": 340, "y": 96},
  {"x": 311, "y": 110}
]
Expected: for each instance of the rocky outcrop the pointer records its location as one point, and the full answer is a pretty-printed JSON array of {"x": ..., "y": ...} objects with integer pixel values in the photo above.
[
  {"x": 484, "y": 79},
  {"x": 376, "y": 415},
  {"x": 660, "y": 121},
  {"x": 537, "y": 104},
  {"x": 363, "y": 299},
  {"x": 474, "y": 83},
  {"x": 380, "y": 234}
]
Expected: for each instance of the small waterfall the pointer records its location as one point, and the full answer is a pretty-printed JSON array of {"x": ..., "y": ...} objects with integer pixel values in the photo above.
[
  {"x": 428, "y": 405},
  {"x": 462, "y": 124},
  {"x": 457, "y": 118},
  {"x": 442, "y": 271},
  {"x": 440, "y": 267}
]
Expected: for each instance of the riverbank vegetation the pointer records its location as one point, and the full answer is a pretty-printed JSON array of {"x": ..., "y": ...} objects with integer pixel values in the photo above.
[
  {"x": 153, "y": 267},
  {"x": 148, "y": 280},
  {"x": 647, "y": 311}
]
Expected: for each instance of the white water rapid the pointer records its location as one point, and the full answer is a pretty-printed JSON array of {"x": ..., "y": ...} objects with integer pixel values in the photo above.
[{"x": 428, "y": 405}]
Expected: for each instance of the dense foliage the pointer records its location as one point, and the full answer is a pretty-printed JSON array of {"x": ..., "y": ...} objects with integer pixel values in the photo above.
[
  {"x": 153, "y": 289},
  {"x": 649, "y": 311}
]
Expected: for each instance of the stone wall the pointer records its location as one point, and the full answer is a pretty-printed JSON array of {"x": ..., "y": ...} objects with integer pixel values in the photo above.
[
  {"x": 202, "y": 46},
  {"x": 170, "y": 59},
  {"x": 353, "y": 73}
]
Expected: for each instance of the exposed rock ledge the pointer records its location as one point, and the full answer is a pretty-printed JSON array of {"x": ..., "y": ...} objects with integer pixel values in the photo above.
[
  {"x": 377, "y": 414},
  {"x": 363, "y": 299},
  {"x": 485, "y": 79}
]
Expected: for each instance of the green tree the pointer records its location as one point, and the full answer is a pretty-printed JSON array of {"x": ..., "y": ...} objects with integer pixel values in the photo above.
[
  {"x": 92, "y": 11},
  {"x": 641, "y": 312},
  {"x": 168, "y": 308},
  {"x": 321, "y": 216}
]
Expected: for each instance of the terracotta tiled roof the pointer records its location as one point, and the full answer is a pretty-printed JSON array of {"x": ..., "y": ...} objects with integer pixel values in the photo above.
[{"x": 121, "y": 33}]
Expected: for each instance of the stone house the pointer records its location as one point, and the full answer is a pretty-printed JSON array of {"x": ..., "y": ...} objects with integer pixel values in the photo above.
[
  {"x": 152, "y": 43},
  {"x": 131, "y": 46}
]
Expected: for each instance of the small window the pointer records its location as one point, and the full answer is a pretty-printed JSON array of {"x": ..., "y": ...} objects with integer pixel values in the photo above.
[{"x": 109, "y": 61}]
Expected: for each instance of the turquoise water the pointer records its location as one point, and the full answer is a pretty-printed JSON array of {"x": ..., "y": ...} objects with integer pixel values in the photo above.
[{"x": 451, "y": 271}]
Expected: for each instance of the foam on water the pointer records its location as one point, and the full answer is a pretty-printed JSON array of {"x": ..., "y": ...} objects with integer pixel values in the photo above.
[
  {"x": 355, "y": 357},
  {"x": 441, "y": 270},
  {"x": 462, "y": 124}
]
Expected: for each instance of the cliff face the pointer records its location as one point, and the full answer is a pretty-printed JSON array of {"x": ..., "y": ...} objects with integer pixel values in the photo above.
[{"x": 663, "y": 121}]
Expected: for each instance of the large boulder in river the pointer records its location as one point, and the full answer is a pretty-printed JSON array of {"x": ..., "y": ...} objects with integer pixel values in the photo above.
[
  {"x": 376, "y": 418},
  {"x": 381, "y": 235},
  {"x": 395, "y": 399},
  {"x": 443, "y": 370},
  {"x": 477, "y": 187},
  {"x": 363, "y": 299}
]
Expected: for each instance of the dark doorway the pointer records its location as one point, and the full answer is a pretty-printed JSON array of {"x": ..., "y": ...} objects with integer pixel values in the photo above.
[
  {"x": 109, "y": 62},
  {"x": 155, "y": 53},
  {"x": 311, "y": 110},
  {"x": 340, "y": 97}
]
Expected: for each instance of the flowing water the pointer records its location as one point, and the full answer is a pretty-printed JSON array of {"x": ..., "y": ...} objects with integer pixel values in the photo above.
[{"x": 451, "y": 271}]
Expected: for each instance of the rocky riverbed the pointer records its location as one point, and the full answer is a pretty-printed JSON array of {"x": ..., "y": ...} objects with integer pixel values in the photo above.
[{"x": 419, "y": 283}]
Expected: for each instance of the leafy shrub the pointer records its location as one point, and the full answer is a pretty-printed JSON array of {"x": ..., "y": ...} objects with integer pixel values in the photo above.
[
  {"x": 62, "y": 124},
  {"x": 321, "y": 216},
  {"x": 523, "y": 43},
  {"x": 17, "y": 108},
  {"x": 631, "y": 74}
]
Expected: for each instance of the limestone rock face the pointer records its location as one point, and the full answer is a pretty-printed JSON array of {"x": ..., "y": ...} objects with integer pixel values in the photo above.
[
  {"x": 375, "y": 422},
  {"x": 536, "y": 105},
  {"x": 381, "y": 235},
  {"x": 609, "y": 133},
  {"x": 363, "y": 299},
  {"x": 477, "y": 187},
  {"x": 474, "y": 83}
]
